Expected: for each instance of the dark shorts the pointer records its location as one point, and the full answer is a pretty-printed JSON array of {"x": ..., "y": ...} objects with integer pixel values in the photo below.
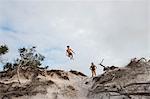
[
  {"x": 70, "y": 54},
  {"x": 93, "y": 69}
]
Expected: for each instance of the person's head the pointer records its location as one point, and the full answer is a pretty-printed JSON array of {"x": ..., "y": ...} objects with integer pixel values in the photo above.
[
  {"x": 68, "y": 46},
  {"x": 92, "y": 63}
]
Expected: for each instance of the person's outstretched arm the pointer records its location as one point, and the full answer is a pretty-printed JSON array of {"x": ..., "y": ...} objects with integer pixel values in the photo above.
[
  {"x": 96, "y": 67},
  {"x": 90, "y": 68},
  {"x": 72, "y": 51}
]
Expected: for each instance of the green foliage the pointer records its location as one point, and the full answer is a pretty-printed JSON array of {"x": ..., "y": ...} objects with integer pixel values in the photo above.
[
  {"x": 3, "y": 49},
  {"x": 8, "y": 66},
  {"x": 29, "y": 57}
]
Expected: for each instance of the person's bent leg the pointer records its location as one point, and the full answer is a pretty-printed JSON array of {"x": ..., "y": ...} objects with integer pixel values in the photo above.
[
  {"x": 68, "y": 55},
  {"x": 71, "y": 56},
  {"x": 94, "y": 72}
]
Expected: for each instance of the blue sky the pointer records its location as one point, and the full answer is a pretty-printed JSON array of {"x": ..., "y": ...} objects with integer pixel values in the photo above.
[{"x": 116, "y": 30}]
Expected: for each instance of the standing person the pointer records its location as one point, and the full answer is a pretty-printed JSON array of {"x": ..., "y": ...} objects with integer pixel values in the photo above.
[
  {"x": 93, "y": 69},
  {"x": 69, "y": 52}
]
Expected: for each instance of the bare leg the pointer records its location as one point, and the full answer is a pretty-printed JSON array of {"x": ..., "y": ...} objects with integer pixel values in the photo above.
[
  {"x": 92, "y": 73},
  {"x": 71, "y": 56}
]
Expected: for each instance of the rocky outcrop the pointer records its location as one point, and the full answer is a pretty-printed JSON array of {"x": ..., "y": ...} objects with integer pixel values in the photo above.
[{"x": 132, "y": 81}]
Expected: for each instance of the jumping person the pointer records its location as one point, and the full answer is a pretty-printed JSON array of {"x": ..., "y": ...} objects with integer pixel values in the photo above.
[
  {"x": 93, "y": 69},
  {"x": 69, "y": 52}
]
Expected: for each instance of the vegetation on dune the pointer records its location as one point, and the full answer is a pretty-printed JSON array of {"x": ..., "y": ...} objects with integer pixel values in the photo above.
[
  {"x": 29, "y": 59},
  {"x": 3, "y": 49}
]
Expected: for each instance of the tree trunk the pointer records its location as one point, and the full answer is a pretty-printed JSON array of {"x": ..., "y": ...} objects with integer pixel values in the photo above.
[{"x": 18, "y": 74}]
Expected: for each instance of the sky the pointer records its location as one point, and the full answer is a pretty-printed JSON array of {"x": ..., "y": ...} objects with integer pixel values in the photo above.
[{"x": 116, "y": 30}]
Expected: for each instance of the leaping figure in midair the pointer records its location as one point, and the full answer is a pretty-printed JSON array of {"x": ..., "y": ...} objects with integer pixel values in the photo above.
[{"x": 69, "y": 52}]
